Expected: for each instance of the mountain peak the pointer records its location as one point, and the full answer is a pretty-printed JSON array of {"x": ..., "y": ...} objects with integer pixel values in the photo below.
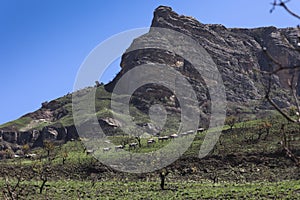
[{"x": 164, "y": 16}]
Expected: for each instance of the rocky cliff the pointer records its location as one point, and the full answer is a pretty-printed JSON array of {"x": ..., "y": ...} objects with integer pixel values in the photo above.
[{"x": 238, "y": 54}]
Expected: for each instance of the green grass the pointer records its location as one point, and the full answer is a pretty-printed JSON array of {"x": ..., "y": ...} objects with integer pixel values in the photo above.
[
  {"x": 236, "y": 140},
  {"x": 18, "y": 123},
  {"x": 66, "y": 120},
  {"x": 71, "y": 189},
  {"x": 178, "y": 187}
]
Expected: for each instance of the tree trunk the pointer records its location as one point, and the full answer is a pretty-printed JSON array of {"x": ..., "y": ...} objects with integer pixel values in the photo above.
[
  {"x": 43, "y": 184},
  {"x": 162, "y": 176},
  {"x": 139, "y": 141}
]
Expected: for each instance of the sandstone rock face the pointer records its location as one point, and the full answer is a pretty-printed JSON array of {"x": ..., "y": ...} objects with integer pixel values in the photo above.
[
  {"x": 111, "y": 122},
  {"x": 238, "y": 54},
  {"x": 35, "y": 138},
  {"x": 55, "y": 133}
]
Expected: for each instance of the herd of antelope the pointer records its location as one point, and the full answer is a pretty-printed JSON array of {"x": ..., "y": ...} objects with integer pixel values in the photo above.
[{"x": 134, "y": 145}]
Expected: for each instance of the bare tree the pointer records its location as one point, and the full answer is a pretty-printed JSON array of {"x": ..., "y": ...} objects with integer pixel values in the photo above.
[
  {"x": 294, "y": 70},
  {"x": 49, "y": 147},
  {"x": 292, "y": 81},
  {"x": 13, "y": 190},
  {"x": 43, "y": 170},
  {"x": 230, "y": 121},
  {"x": 162, "y": 175},
  {"x": 14, "y": 177},
  {"x": 137, "y": 134}
]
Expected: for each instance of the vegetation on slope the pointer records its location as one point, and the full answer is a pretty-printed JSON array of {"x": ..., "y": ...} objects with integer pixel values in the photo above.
[{"x": 247, "y": 162}]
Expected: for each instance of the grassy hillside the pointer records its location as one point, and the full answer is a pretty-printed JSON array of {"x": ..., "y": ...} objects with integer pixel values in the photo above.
[
  {"x": 38, "y": 119},
  {"x": 247, "y": 163}
]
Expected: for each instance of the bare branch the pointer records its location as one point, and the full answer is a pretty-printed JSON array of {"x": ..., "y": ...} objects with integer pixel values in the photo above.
[
  {"x": 283, "y": 4},
  {"x": 280, "y": 110},
  {"x": 279, "y": 64},
  {"x": 267, "y": 96},
  {"x": 293, "y": 91},
  {"x": 285, "y": 146}
]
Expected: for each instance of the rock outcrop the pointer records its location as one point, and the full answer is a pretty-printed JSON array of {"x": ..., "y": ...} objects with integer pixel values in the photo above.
[{"x": 238, "y": 54}]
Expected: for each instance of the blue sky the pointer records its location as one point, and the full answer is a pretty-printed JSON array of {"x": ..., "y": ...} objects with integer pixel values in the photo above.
[{"x": 43, "y": 43}]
